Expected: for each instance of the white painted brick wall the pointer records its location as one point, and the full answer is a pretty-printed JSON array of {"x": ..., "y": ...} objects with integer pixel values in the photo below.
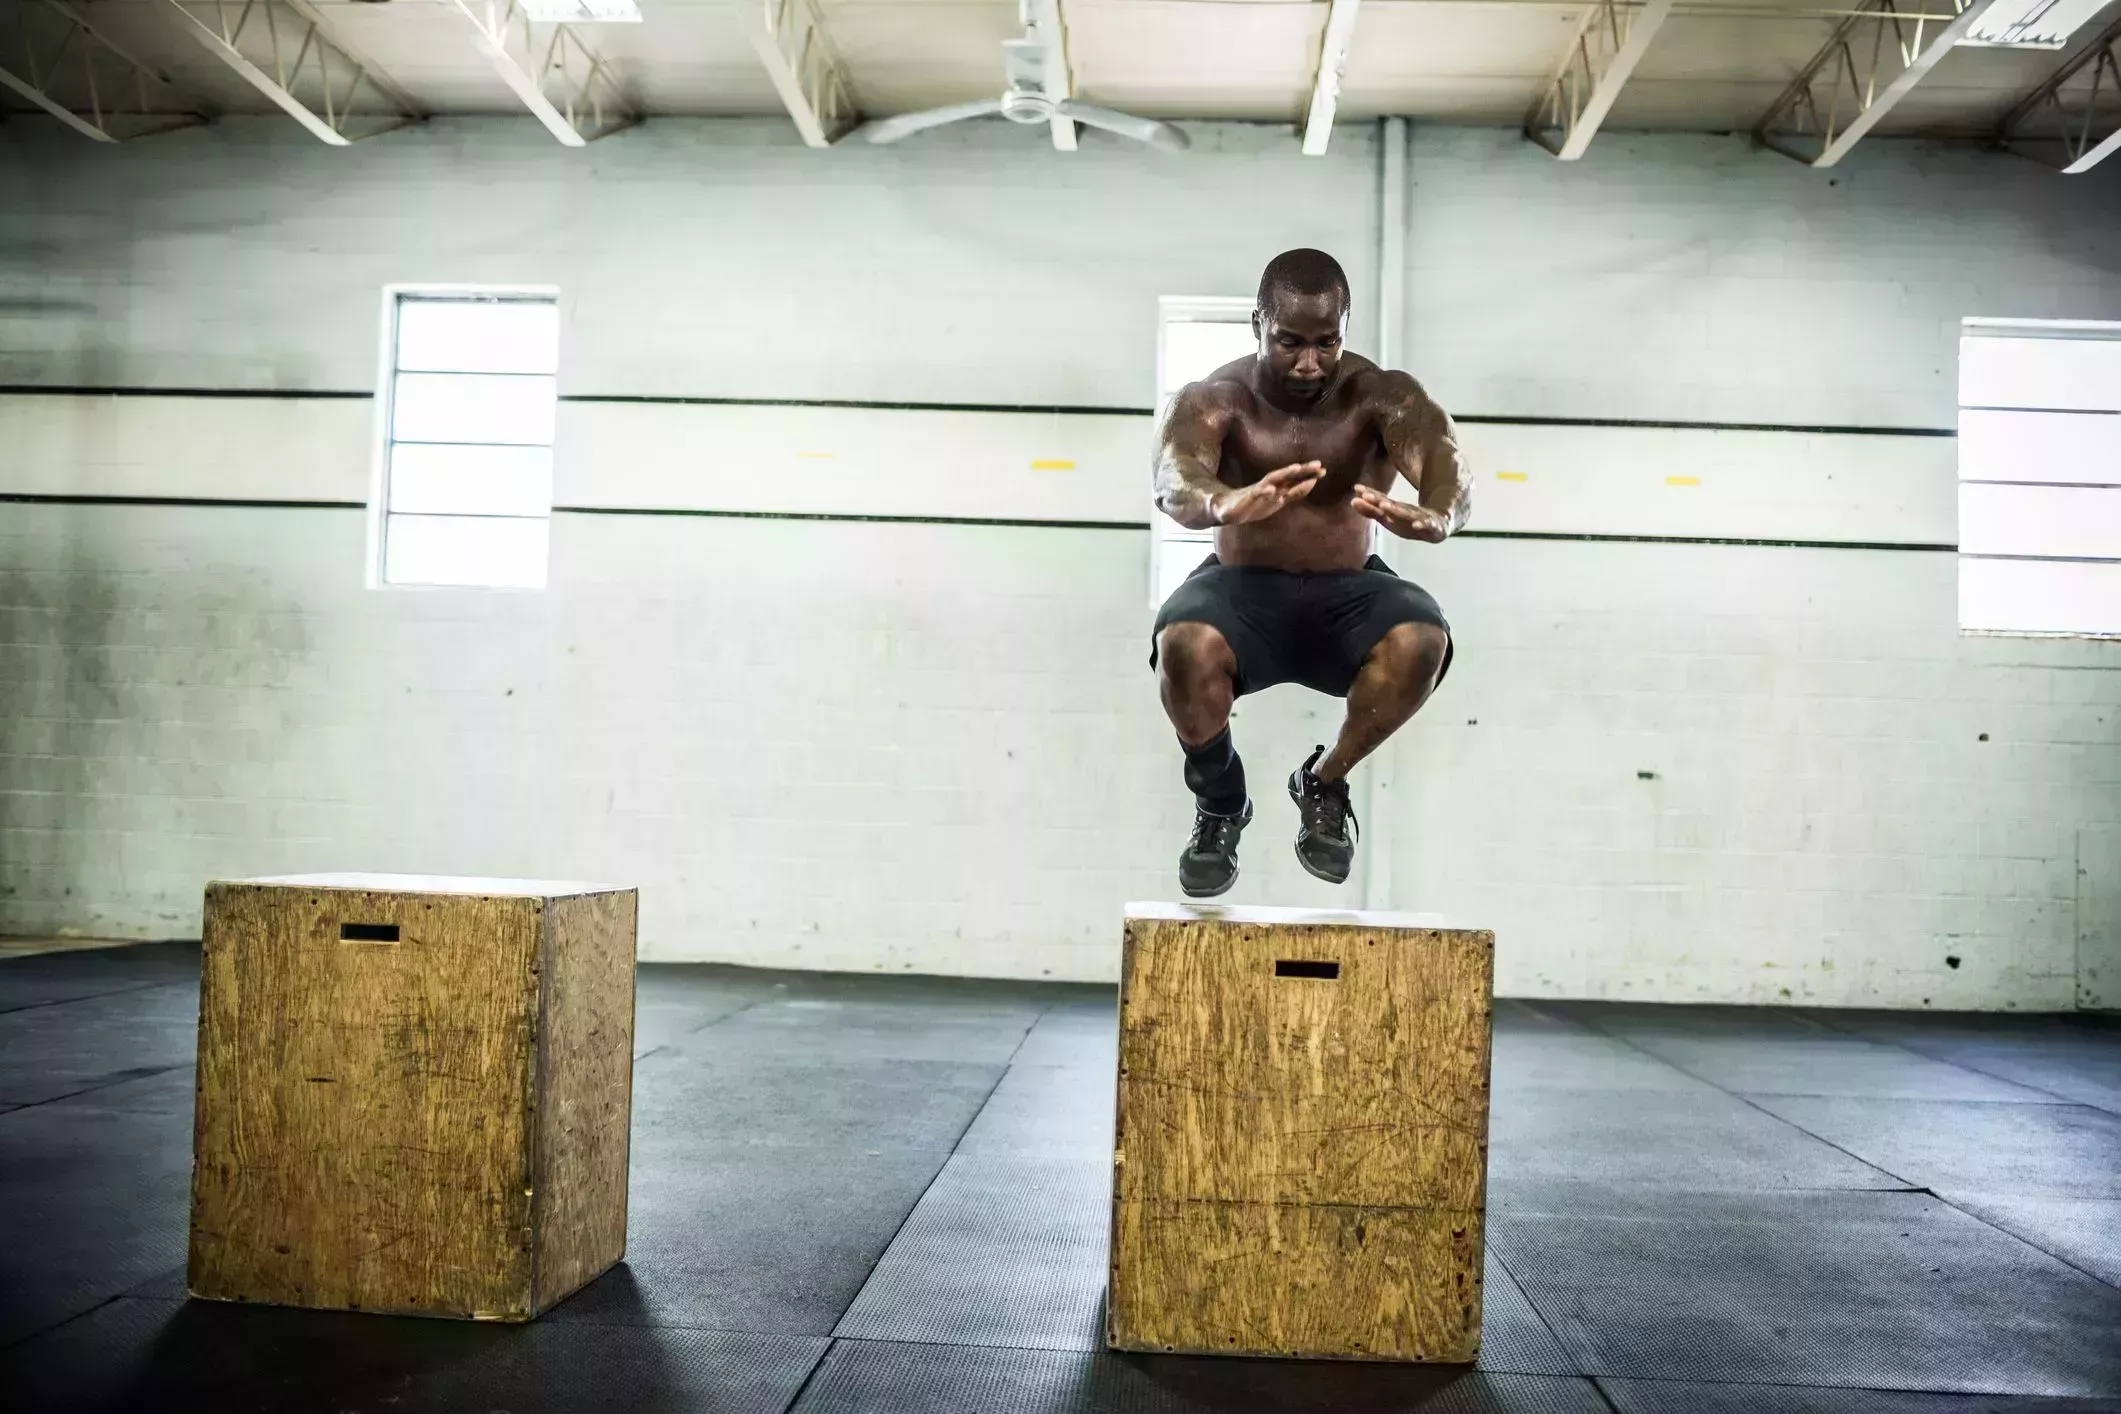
[
  {"x": 1822, "y": 820},
  {"x": 1693, "y": 278},
  {"x": 933, "y": 747},
  {"x": 937, "y": 748},
  {"x": 831, "y": 745},
  {"x": 721, "y": 259}
]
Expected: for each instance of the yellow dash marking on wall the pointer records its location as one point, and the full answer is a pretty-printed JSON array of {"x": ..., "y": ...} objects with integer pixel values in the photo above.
[
  {"x": 816, "y": 456},
  {"x": 1682, "y": 481},
  {"x": 1051, "y": 464},
  {"x": 1512, "y": 476}
]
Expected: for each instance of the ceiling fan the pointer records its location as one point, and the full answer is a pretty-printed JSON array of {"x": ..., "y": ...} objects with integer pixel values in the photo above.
[{"x": 1035, "y": 72}]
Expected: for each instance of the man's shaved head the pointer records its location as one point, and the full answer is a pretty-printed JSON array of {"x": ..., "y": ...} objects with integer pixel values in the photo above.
[
  {"x": 1302, "y": 272},
  {"x": 1299, "y": 321}
]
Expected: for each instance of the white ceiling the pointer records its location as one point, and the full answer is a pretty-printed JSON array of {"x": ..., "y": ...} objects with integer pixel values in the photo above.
[{"x": 1715, "y": 66}]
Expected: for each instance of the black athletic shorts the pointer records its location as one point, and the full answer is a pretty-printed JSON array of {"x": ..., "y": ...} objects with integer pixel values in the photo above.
[{"x": 1314, "y": 629}]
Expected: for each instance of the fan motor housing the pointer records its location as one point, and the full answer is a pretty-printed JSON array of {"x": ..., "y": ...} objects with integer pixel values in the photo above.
[{"x": 1025, "y": 106}]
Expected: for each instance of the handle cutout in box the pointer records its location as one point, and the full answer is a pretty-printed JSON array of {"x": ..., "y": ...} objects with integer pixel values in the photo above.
[
  {"x": 1293, "y": 967},
  {"x": 368, "y": 932}
]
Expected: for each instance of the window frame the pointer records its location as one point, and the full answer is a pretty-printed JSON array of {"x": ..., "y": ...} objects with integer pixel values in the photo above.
[
  {"x": 376, "y": 539},
  {"x": 1991, "y": 579},
  {"x": 1170, "y": 310}
]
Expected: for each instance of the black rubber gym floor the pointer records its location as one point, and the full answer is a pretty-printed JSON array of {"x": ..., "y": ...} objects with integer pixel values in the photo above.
[{"x": 862, "y": 1195}]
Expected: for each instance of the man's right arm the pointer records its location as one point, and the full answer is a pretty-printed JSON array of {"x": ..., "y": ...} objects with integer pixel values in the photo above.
[
  {"x": 1189, "y": 451},
  {"x": 1189, "y": 454}
]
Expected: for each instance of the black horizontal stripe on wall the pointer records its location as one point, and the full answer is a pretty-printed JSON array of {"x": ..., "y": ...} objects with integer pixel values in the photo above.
[
  {"x": 649, "y": 399},
  {"x": 696, "y": 513},
  {"x": 1828, "y": 429},
  {"x": 2043, "y": 412},
  {"x": 1049, "y": 409},
  {"x": 672, "y": 400},
  {"x": 2049, "y": 485},
  {"x": 1823, "y": 429},
  {"x": 1912, "y": 546},
  {"x": 225, "y": 503},
  {"x": 1137, "y": 525},
  {"x": 850, "y": 518},
  {"x": 269, "y": 394}
]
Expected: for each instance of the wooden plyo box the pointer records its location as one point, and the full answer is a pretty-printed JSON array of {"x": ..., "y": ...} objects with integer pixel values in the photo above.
[
  {"x": 1301, "y": 1161},
  {"x": 414, "y": 1093}
]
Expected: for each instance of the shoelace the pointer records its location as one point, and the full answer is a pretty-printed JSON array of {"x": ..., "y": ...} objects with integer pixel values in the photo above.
[
  {"x": 1327, "y": 807},
  {"x": 1208, "y": 832}
]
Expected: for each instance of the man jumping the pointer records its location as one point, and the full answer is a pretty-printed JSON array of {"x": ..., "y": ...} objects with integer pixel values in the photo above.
[{"x": 1288, "y": 455}]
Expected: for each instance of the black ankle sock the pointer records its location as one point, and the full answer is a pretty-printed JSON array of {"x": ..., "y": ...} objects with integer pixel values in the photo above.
[{"x": 1215, "y": 774}]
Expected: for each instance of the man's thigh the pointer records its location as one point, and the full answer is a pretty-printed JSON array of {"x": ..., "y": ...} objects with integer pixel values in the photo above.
[
  {"x": 1347, "y": 616},
  {"x": 1254, "y": 610}
]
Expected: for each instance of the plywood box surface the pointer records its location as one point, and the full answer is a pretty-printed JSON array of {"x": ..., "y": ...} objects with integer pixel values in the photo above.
[
  {"x": 1300, "y": 1167},
  {"x": 414, "y": 1094}
]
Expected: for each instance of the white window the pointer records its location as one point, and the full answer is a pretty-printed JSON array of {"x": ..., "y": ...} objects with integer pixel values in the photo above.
[
  {"x": 467, "y": 402},
  {"x": 2040, "y": 477},
  {"x": 1195, "y": 336}
]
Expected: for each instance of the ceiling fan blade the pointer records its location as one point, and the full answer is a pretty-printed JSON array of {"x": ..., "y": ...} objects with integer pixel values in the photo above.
[
  {"x": 906, "y": 124},
  {"x": 1162, "y": 136}
]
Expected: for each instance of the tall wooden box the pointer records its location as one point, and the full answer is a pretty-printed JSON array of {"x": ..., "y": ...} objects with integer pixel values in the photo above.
[
  {"x": 1301, "y": 1160},
  {"x": 414, "y": 1093}
]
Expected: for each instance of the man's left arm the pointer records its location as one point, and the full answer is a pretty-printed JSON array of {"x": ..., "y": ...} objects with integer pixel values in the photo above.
[{"x": 1421, "y": 442}]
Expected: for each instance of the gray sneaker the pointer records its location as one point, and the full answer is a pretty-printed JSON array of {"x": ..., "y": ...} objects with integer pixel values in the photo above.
[
  {"x": 1209, "y": 865},
  {"x": 1325, "y": 844}
]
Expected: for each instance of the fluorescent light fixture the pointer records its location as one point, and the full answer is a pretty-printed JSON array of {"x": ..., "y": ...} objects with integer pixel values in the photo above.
[
  {"x": 2031, "y": 24},
  {"x": 582, "y": 12}
]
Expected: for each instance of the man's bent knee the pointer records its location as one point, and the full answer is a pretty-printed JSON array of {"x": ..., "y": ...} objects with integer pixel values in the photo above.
[
  {"x": 1413, "y": 653},
  {"x": 1192, "y": 651}
]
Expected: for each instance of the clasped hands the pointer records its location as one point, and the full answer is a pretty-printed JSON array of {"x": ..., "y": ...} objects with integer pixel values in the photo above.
[{"x": 1267, "y": 496}]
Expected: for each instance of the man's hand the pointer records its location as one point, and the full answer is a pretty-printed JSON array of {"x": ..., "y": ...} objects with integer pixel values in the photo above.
[
  {"x": 1405, "y": 521},
  {"x": 1266, "y": 496}
]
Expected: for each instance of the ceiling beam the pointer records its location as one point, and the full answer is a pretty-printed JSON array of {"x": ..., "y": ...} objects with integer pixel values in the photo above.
[
  {"x": 283, "y": 49},
  {"x": 556, "y": 73},
  {"x": 58, "y": 61},
  {"x": 1873, "y": 60},
  {"x": 2078, "y": 108},
  {"x": 1608, "y": 45},
  {"x": 791, "y": 40},
  {"x": 1332, "y": 63},
  {"x": 1043, "y": 19}
]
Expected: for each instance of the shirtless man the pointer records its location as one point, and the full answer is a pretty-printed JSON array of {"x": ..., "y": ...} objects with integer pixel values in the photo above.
[{"x": 1289, "y": 455}]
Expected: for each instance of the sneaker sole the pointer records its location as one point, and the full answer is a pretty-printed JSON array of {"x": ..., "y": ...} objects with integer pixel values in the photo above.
[
  {"x": 1296, "y": 795},
  {"x": 1318, "y": 873},
  {"x": 1209, "y": 893}
]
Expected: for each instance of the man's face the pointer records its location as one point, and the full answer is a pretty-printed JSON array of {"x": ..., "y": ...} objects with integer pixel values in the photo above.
[{"x": 1299, "y": 343}]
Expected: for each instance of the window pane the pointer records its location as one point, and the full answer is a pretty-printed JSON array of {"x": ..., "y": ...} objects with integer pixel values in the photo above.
[
  {"x": 2040, "y": 446},
  {"x": 1193, "y": 350},
  {"x": 479, "y": 336},
  {"x": 441, "y": 407},
  {"x": 2068, "y": 374},
  {"x": 2039, "y": 520},
  {"x": 2040, "y": 596},
  {"x": 467, "y": 550},
  {"x": 1181, "y": 554},
  {"x": 452, "y": 480}
]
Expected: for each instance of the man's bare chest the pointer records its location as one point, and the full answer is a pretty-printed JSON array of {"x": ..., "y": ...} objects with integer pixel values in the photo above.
[{"x": 1346, "y": 444}]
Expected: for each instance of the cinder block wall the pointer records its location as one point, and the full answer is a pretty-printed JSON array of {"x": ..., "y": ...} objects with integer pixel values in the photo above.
[{"x": 1687, "y": 770}]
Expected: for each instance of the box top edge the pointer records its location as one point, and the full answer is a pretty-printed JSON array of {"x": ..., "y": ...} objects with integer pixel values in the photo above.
[
  {"x": 1299, "y": 917},
  {"x": 469, "y": 885}
]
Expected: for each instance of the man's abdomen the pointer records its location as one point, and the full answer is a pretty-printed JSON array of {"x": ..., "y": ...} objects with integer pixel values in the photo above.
[{"x": 1301, "y": 538}]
